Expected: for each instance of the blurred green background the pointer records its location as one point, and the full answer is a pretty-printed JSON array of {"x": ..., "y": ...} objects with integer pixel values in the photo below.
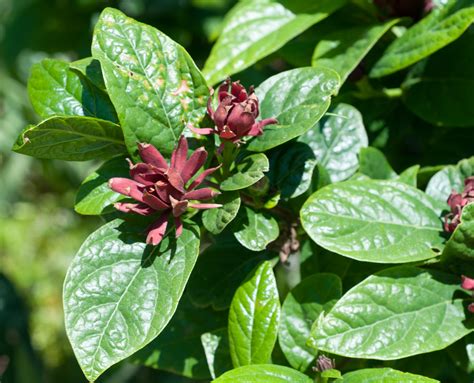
[{"x": 39, "y": 230}]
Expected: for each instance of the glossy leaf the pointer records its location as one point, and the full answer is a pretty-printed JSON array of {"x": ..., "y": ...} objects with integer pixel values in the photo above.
[
  {"x": 291, "y": 169},
  {"x": 178, "y": 348},
  {"x": 216, "y": 348},
  {"x": 297, "y": 98},
  {"x": 302, "y": 306},
  {"x": 461, "y": 243},
  {"x": 374, "y": 221},
  {"x": 336, "y": 141},
  {"x": 374, "y": 164},
  {"x": 383, "y": 375},
  {"x": 216, "y": 220},
  {"x": 449, "y": 92},
  {"x": 153, "y": 83},
  {"x": 90, "y": 69},
  {"x": 55, "y": 90},
  {"x": 255, "y": 230},
  {"x": 94, "y": 195},
  {"x": 409, "y": 175},
  {"x": 220, "y": 270},
  {"x": 343, "y": 49},
  {"x": 254, "y": 29},
  {"x": 254, "y": 317},
  {"x": 249, "y": 170},
  {"x": 442, "y": 26},
  {"x": 71, "y": 139},
  {"x": 448, "y": 179},
  {"x": 263, "y": 373},
  {"x": 119, "y": 294},
  {"x": 394, "y": 314}
]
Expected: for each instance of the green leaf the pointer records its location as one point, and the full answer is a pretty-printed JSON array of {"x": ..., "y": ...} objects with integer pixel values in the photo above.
[
  {"x": 374, "y": 221},
  {"x": 461, "y": 243},
  {"x": 216, "y": 348},
  {"x": 301, "y": 308},
  {"x": 71, "y": 139},
  {"x": 297, "y": 98},
  {"x": 90, "y": 69},
  {"x": 263, "y": 373},
  {"x": 178, "y": 348},
  {"x": 119, "y": 294},
  {"x": 343, "y": 49},
  {"x": 373, "y": 163},
  {"x": 94, "y": 196},
  {"x": 249, "y": 170},
  {"x": 153, "y": 83},
  {"x": 448, "y": 179},
  {"x": 409, "y": 175},
  {"x": 255, "y": 230},
  {"x": 394, "y": 314},
  {"x": 442, "y": 26},
  {"x": 55, "y": 90},
  {"x": 254, "y": 318},
  {"x": 216, "y": 220},
  {"x": 383, "y": 375},
  {"x": 449, "y": 92},
  {"x": 336, "y": 141},
  {"x": 254, "y": 29},
  {"x": 220, "y": 270},
  {"x": 291, "y": 169}
]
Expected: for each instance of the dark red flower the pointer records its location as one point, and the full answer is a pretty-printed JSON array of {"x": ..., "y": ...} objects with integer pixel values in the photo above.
[
  {"x": 405, "y": 8},
  {"x": 468, "y": 284},
  {"x": 166, "y": 189},
  {"x": 236, "y": 113},
  {"x": 456, "y": 202}
]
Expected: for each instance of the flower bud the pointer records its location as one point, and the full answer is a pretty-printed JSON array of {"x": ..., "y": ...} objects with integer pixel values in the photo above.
[{"x": 457, "y": 202}]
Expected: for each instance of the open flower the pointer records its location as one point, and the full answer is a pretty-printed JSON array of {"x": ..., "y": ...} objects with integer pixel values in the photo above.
[
  {"x": 236, "y": 113},
  {"x": 456, "y": 202},
  {"x": 468, "y": 284},
  {"x": 165, "y": 189}
]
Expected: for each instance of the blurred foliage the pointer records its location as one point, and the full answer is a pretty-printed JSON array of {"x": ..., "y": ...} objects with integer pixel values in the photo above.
[{"x": 37, "y": 197}]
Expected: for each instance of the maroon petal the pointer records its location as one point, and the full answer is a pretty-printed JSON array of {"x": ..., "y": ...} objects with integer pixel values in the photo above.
[
  {"x": 179, "y": 207},
  {"x": 205, "y": 205},
  {"x": 127, "y": 187},
  {"x": 179, "y": 226},
  {"x": 240, "y": 121},
  {"x": 138, "y": 208},
  {"x": 202, "y": 176},
  {"x": 197, "y": 159},
  {"x": 157, "y": 230},
  {"x": 175, "y": 179},
  {"x": 238, "y": 91},
  {"x": 200, "y": 194},
  {"x": 471, "y": 308},
  {"x": 467, "y": 283},
  {"x": 220, "y": 116},
  {"x": 178, "y": 157},
  {"x": 227, "y": 134},
  {"x": 201, "y": 131},
  {"x": 154, "y": 202},
  {"x": 151, "y": 155}
]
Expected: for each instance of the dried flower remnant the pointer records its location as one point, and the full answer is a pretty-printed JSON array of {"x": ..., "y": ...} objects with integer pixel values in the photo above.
[
  {"x": 324, "y": 363},
  {"x": 236, "y": 113},
  {"x": 468, "y": 284},
  {"x": 161, "y": 188},
  {"x": 457, "y": 202}
]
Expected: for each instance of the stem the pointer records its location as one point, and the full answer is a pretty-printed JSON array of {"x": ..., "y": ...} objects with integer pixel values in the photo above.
[{"x": 228, "y": 156}]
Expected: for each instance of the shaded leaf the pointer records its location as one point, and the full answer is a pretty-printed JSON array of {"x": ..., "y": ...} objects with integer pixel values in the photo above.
[
  {"x": 374, "y": 164},
  {"x": 255, "y": 230},
  {"x": 336, "y": 141},
  {"x": 216, "y": 348},
  {"x": 216, "y": 220},
  {"x": 71, "y": 139},
  {"x": 301, "y": 308},
  {"x": 442, "y": 26}
]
